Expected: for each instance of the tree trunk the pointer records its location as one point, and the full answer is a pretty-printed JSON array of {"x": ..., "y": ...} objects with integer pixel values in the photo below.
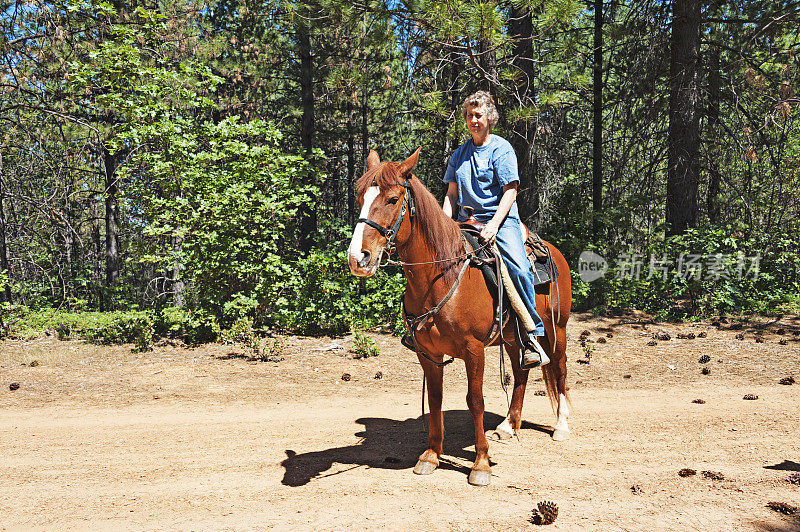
[
  {"x": 488, "y": 63},
  {"x": 523, "y": 132},
  {"x": 4, "y": 267},
  {"x": 112, "y": 225},
  {"x": 597, "y": 111},
  {"x": 97, "y": 256},
  {"x": 178, "y": 287},
  {"x": 714, "y": 84},
  {"x": 683, "y": 172},
  {"x": 351, "y": 162},
  {"x": 364, "y": 124},
  {"x": 308, "y": 214}
]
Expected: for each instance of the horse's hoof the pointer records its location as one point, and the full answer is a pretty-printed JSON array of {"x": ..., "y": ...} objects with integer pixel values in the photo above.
[
  {"x": 499, "y": 435},
  {"x": 478, "y": 477},
  {"x": 424, "y": 468},
  {"x": 504, "y": 431},
  {"x": 560, "y": 435}
]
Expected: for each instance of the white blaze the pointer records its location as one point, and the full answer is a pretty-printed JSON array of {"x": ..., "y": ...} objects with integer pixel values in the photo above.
[{"x": 358, "y": 233}]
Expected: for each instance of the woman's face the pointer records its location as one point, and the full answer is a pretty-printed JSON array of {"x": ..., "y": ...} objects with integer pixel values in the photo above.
[{"x": 478, "y": 121}]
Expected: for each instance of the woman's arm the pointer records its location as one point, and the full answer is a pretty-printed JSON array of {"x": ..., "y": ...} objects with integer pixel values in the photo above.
[
  {"x": 451, "y": 199},
  {"x": 506, "y": 201}
]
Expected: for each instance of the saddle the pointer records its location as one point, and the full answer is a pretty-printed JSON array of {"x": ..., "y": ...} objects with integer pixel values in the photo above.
[
  {"x": 491, "y": 264},
  {"x": 544, "y": 269}
]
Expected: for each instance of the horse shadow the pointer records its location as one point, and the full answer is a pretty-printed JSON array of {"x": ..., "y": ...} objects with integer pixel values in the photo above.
[
  {"x": 786, "y": 465},
  {"x": 392, "y": 444}
]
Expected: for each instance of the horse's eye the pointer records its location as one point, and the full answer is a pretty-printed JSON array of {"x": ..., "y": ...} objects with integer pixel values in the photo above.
[{"x": 392, "y": 201}]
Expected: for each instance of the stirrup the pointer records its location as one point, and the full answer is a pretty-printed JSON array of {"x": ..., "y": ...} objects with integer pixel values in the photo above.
[
  {"x": 532, "y": 356},
  {"x": 408, "y": 341}
]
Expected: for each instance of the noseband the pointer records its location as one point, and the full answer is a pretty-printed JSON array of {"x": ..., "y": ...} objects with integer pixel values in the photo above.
[{"x": 391, "y": 234}]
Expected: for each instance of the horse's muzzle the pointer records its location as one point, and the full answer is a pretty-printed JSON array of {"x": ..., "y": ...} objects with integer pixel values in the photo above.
[{"x": 361, "y": 266}]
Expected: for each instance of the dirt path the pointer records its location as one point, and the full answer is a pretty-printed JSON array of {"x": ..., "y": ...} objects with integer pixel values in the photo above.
[{"x": 100, "y": 438}]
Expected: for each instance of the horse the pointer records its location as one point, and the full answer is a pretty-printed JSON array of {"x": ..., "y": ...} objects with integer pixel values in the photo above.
[{"x": 398, "y": 210}]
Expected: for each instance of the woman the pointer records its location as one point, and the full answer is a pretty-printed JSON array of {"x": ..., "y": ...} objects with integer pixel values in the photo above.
[{"x": 482, "y": 175}]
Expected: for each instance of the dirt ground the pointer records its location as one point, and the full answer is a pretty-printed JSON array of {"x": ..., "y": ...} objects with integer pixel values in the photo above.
[{"x": 203, "y": 439}]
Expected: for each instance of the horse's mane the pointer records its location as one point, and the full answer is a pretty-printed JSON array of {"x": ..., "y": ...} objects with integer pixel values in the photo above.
[{"x": 440, "y": 233}]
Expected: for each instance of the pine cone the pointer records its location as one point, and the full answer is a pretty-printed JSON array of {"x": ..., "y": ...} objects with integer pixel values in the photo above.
[
  {"x": 794, "y": 478},
  {"x": 783, "y": 341},
  {"x": 547, "y": 512},
  {"x": 713, "y": 475},
  {"x": 652, "y": 343},
  {"x": 705, "y": 359},
  {"x": 750, "y": 397},
  {"x": 787, "y": 381},
  {"x": 686, "y": 472},
  {"x": 702, "y": 334},
  {"x": 705, "y": 370}
]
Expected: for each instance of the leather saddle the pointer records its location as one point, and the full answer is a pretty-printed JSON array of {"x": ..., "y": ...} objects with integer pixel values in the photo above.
[
  {"x": 544, "y": 270},
  {"x": 542, "y": 265}
]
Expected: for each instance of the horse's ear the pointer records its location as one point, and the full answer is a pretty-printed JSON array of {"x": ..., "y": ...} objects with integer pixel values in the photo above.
[
  {"x": 409, "y": 164},
  {"x": 373, "y": 160}
]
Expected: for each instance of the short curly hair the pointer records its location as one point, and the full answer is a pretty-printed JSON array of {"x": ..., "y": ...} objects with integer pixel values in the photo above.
[{"x": 481, "y": 98}]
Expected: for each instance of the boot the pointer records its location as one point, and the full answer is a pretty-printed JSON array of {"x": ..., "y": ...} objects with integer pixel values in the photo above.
[{"x": 533, "y": 355}]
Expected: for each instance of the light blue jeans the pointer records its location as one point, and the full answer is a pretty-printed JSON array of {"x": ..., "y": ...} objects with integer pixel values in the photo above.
[{"x": 509, "y": 242}]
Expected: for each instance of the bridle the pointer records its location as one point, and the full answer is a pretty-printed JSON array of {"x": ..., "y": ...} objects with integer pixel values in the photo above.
[{"x": 391, "y": 234}]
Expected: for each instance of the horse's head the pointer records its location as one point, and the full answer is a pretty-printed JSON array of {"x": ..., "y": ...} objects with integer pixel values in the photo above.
[{"x": 383, "y": 195}]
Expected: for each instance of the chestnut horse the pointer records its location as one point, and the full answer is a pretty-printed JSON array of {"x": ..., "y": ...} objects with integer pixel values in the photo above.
[{"x": 397, "y": 209}]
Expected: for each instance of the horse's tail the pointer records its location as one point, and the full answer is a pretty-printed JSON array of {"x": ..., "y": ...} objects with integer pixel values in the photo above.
[
  {"x": 551, "y": 385},
  {"x": 560, "y": 303}
]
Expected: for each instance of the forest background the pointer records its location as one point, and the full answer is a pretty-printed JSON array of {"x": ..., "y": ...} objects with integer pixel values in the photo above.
[{"x": 185, "y": 168}]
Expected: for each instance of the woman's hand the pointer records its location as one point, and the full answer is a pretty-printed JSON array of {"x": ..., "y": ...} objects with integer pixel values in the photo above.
[{"x": 489, "y": 232}]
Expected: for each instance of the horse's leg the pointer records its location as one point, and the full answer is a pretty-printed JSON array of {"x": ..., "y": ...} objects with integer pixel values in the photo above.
[
  {"x": 481, "y": 473},
  {"x": 513, "y": 420},
  {"x": 555, "y": 374},
  {"x": 429, "y": 460}
]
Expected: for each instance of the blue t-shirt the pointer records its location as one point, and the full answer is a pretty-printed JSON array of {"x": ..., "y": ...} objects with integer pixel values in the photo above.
[{"x": 481, "y": 172}]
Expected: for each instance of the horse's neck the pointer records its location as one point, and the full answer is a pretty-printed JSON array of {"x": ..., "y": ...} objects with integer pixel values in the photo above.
[{"x": 423, "y": 274}]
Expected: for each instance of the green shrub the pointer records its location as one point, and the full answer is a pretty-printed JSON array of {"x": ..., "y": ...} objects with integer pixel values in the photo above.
[
  {"x": 136, "y": 328},
  {"x": 364, "y": 346},
  {"x": 735, "y": 290},
  {"x": 323, "y": 296},
  {"x": 193, "y": 327},
  {"x": 67, "y": 325}
]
